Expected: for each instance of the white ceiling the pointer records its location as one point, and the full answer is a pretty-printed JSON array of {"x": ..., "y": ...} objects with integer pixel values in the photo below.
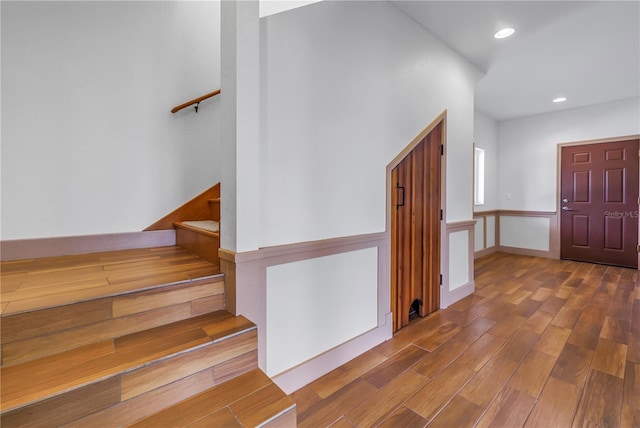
[{"x": 588, "y": 51}]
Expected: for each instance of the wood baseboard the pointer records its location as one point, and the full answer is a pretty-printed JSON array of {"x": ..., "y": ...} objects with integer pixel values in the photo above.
[
  {"x": 526, "y": 252},
  {"x": 485, "y": 252},
  {"x": 21, "y": 249},
  {"x": 457, "y": 294}
]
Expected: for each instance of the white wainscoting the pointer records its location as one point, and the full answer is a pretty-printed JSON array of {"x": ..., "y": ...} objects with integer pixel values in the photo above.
[
  {"x": 531, "y": 233},
  {"x": 318, "y": 304},
  {"x": 485, "y": 233},
  {"x": 458, "y": 281}
]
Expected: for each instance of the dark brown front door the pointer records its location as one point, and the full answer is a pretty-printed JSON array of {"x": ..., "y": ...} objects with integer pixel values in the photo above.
[
  {"x": 599, "y": 203},
  {"x": 415, "y": 230}
]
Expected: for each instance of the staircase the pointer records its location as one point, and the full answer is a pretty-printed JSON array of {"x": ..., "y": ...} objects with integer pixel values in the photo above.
[
  {"x": 129, "y": 338},
  {"x": 197, "y": 224}
]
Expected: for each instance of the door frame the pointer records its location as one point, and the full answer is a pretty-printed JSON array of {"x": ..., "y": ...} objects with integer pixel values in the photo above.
[
  {"x": 444, "y": 244},
  {"x": 557, "y": 234}
]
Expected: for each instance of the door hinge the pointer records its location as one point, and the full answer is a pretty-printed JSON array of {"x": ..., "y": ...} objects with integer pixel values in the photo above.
[
  {"x": 441, "y": 274},
  {"x": 441, "y": 215},
  {"x": 441, "y": 149},
  {"x": 639, "y": 248}
]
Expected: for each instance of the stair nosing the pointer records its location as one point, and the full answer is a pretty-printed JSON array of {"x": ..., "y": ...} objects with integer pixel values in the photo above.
[
  {"x": 232, "y": 335},
  {"x": 181, "y": 225},
  {"x": 226, "y": 404},
  {"x": 276, "y": 416},
  {"x": 4, "y": 410}
]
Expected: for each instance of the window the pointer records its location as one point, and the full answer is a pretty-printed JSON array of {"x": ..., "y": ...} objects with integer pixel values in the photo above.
[{"x": 478, "y": 179}]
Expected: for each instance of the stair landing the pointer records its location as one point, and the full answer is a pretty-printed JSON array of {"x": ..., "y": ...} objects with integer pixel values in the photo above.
[{"x": 29, "y": 285}]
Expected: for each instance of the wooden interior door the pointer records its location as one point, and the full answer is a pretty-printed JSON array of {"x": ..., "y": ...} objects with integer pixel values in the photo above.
[
  {"x": 599, "y": 209},
  {"x": 415, "y": 230}
]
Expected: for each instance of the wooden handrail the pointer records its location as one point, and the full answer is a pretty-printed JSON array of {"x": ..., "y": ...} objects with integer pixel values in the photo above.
[{"x": 195, "y": 101}]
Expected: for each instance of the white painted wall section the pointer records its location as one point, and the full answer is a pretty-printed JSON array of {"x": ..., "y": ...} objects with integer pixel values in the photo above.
[
  {"x": 271, "y": 7},
  {"x": 346, "y": 86},
  {"x": 88, "y": 143},
  {"x": 317, "y": 304},
  {"x": 459, "y": 269},
  {"x": 491, "y": 231},
  {"x": 528, "y": 149},
  {"x": 525, "y": 232},
  {"x": 485, "y": 136},
  {"x": 478, "y": 230},
  {"x": 240, "y": 126}
]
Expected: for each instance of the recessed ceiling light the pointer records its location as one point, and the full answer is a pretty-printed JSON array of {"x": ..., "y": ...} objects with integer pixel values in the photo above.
[
  {"x": 505, "y": 32},
  {"x": 560, "y": 99}
]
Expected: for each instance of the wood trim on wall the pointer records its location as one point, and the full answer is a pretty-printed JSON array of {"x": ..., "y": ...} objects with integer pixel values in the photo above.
[
  {"x": 525, "y": 252},
  {"x": 85, "y": 244},
  {"x": 246, "y": 282},
  {"x": 554, "y": 245},
  {"x": 517, "y": 213},
  {"x": 485, "y": 213},
  {"x": 554, "y": 236},
  {"x": 485, "y": 251}
]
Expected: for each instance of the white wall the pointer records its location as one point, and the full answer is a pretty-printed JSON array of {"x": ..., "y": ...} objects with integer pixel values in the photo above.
[
  {"x": 528, "y": 149},
  {"x": 485, "y": 136},
  {"x": 527, "y": 155},
  {"x": 271, "y": 7},
  {"x": 88, "y": 143},
  {"x": 458, "y": 244},
  {"x": 346, "y": 86}
]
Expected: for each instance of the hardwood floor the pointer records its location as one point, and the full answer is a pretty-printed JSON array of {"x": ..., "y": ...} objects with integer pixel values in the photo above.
[
  {"x": 28, "y": 285},
  {"x": 541, "y": 343}
]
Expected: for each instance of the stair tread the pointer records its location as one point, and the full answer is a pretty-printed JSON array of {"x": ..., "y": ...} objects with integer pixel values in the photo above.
[
  {"x": 36, "y": 380},
  {"x": 59, "y": 318},
  {"x": 30, "y": 285},
  {"x": 205, "y": 227},
  {"x": 252, "y": 399},
  {"x": 208, "y": 225}
]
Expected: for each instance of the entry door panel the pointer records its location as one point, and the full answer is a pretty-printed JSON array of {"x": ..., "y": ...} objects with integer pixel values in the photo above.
[
  {"x": 599, "y": 203},
  {"x": 415, "y": 230}
]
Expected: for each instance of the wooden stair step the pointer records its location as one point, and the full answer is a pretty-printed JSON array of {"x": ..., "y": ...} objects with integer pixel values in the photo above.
[
  {"x": 249, "y": 400},
  {"x": 40, "y": 333},
  {"x": 214, "y": 207},
  {"x": 199, "y": 238},
  {"x": 129, "y": 367},
  {"x": 206, "y": 227},
  {"x": 28, "y": 285}
]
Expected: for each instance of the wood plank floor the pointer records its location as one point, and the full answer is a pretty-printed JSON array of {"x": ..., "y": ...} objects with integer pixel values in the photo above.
[
  {"x": 27, "y": 285},
  {"x": 541, "y": 343}
]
